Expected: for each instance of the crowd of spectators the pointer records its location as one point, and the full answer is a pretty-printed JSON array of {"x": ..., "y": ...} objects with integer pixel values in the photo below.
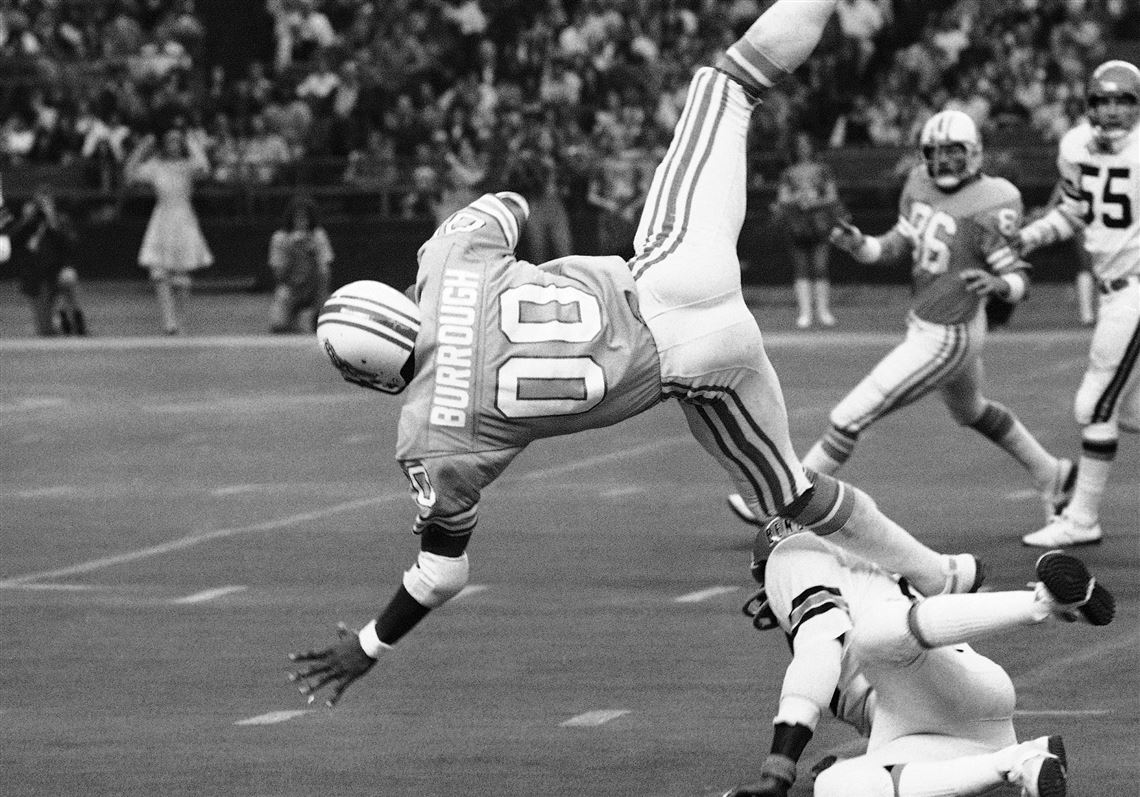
[{"x": 573, "y": 96}]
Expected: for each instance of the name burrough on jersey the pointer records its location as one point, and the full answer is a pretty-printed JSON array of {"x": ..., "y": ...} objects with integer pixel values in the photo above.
[{"x": 458, "y": 300}]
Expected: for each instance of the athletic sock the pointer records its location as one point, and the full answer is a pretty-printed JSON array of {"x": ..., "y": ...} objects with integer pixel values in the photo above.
[
  {"x": 831, "y": 451},
  {"x": 1002, "y": 427},
  {"x": 1092, "y": 476},
  {"x": 954, "y": 619}
]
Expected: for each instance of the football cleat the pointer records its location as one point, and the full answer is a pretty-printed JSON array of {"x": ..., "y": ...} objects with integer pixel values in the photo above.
[
  {"x": 1039, "y": 773},
  {"x": 1060, "y": 491},
  {"x": 1074, "y": 590},
  {"x": 964, "y": 573},
  {"x": 1061, "y": 532}
]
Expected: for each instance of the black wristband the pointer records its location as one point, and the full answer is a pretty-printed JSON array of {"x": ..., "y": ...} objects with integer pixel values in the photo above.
[
  {"x": 789, "y": 740},
  {"x": 399, "y": 616}
]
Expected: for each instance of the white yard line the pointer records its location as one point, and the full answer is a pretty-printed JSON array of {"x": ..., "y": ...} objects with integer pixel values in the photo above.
[
  {"x": 209, "y": 594},
  {"x": 592, "y": 719},
  {"x": 274, "y": 717},
  {"x": 703, "y": 594},
  {"x": 191, "y": 540}
]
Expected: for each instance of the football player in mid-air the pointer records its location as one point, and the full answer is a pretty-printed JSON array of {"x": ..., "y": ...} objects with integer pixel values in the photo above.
[
  {"x": 496, "y": 353},
  {"x": 953, "y": 223},
  {"x": 1099, "y": 161},
  {"x": 937, "y": 716}
]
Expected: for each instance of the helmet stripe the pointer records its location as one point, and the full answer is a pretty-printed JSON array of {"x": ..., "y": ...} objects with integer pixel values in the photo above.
[
  {"x": 383, "y": 315},
  {"x": 366, "y": 301},
  {"x": 380, "y": 332}
]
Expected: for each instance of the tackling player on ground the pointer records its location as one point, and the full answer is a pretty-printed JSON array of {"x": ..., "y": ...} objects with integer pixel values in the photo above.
[
  {"x": 868, "y": 647},
  {"x": 953, "y": 225},
  {"x": 1099, "y": 161},
  {"x": 497, "y": 353}
]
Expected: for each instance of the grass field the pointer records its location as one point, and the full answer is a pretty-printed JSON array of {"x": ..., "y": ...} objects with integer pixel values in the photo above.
[{"x": 177, "y": 515}]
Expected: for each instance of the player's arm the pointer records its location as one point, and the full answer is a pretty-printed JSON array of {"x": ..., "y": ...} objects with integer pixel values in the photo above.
[
  {"x": 816, "y": 623},
  {"x": 889, "y": 247},
  {"x": 447, "y": 490},
  {"x": 1064, "y": 220},
  {"x": 1006, "y": 275}
]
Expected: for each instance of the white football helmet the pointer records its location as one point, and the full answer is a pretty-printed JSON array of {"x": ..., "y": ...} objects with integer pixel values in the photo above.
[
  {"x": 952, "y": 149},
  {"x": 368, "y": 330},
  {"x": 1113, "y": 100}
]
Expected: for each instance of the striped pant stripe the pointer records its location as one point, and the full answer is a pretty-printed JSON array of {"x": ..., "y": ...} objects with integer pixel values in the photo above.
[
  {"x": 951, "y": 352},
  {"x": 1106, "y": 404},
  {"x": 742, "y": 441},
  {"x": 684, "y": 165}
]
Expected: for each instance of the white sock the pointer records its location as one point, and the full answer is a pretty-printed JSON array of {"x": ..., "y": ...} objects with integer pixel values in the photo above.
[
  {"x": 1023, "y": 447},
  {"x": 1092, "y": 476},
  {"x": 817, "y": 460},
  {"x": 954, "y": 619}
]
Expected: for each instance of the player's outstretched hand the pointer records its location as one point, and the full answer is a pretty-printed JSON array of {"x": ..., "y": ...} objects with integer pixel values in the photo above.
[
  {"x": 846, "y": 236},
  {"x": 767, "y": 786},
  {"x": 337, "y": 666},
  {"x": 983, "y": 283}
]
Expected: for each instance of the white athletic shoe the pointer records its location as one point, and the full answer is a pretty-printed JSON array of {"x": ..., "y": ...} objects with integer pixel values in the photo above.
[
  {"x": 1040, "y": 772},
  {"x": 803, "y": 321},
  {"x": 1060, "y": 490},
  {"x": 964, "y": 573},
  {"x": 737, "y": 504},
  {"x": 1061, "y": 532},
  {"x": 826, "y": 318}
]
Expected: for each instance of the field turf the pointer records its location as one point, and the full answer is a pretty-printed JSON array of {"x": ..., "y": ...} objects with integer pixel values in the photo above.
[{"x": 176, "y": 515}]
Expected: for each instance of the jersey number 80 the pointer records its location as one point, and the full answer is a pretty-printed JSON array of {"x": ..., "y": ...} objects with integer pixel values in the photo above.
[{"x": 535, "y": 386}]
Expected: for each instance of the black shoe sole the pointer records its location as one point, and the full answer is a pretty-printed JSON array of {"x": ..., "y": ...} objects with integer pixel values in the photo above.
[
  {"x": 1051, "y": 779},
  {"x": 1067, "y": 580},
  {"x": 1056, "y": 746}
]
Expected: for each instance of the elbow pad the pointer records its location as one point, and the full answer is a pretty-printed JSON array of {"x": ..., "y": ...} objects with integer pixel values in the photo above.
[{"x": 433, "y": 579}]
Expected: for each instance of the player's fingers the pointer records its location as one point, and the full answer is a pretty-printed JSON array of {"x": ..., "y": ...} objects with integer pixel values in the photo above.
[
  {"x": 334, "y": 698},
  {"x": 309, "y": 672},
  {"x": 309, "y": 689},
  {"x": 309, "y": 655}
]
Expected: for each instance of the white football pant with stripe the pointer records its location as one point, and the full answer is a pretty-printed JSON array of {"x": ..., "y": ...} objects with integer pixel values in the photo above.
[{"x": 688, "y": 279}]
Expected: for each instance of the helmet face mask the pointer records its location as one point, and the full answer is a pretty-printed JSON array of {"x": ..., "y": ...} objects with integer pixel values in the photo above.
[
  {"x": 1113, "y": 101},
  {"x": 368, "y": 330},
  {"x": 951, "y": 149}
]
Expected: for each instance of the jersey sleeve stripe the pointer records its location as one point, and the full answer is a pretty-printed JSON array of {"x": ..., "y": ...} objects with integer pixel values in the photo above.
[
  {"x": 798, "y": 621},
  {"x": 494, "y": 207}
]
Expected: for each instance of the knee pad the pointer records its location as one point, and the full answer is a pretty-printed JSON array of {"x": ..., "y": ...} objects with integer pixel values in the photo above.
[
  {"x": 884, "y": 637},
  {"x": 854, "y": 778},
  {"x": 433, "y": 579}
]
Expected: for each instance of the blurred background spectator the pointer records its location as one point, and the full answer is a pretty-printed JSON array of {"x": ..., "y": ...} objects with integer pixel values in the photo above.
[
  {"x": 412, "y": 101},
  {"x": 43, "y": 248},
  {"x": 300, "y": 258}
]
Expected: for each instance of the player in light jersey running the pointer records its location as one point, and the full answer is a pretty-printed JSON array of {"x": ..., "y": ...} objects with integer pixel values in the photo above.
[
  {"x": 1099, "y": 161},
  {"x": 953, "y": 223},
  {"x": 867, "y": 646},
  {"x": 507, "y": 352}
]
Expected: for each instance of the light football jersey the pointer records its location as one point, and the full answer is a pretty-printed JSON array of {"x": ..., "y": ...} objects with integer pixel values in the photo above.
[
  {"x": 1109, "y": 185},
  {"x": 955, "y": 231},
  {"x": 509, "y": 352}
]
